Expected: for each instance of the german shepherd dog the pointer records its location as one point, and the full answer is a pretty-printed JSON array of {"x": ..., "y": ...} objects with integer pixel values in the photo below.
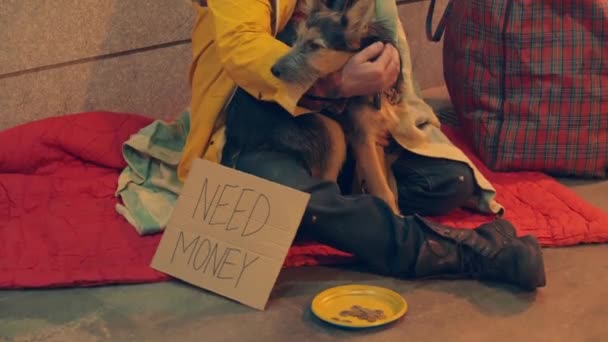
[{"x": 332, "y": 33}]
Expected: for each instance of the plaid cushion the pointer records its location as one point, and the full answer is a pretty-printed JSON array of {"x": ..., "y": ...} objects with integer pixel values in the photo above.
[{"x": 528, "y": 81}]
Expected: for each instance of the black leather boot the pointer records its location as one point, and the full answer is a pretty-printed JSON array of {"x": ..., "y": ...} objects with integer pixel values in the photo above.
[{"x": 490, "y": 252}]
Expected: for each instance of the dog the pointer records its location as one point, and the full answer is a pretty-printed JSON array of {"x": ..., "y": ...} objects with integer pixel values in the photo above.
[{"x": 333, "y": 32}]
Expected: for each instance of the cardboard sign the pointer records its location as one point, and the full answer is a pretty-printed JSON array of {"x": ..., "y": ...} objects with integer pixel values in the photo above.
[{"x": 230, "y": 232}]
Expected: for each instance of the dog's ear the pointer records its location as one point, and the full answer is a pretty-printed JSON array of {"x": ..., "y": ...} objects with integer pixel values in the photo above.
[
  {"x": 359, "y": 15},
  {"x": 336, "y": 5},
  {"x": 310, "y": 6}
]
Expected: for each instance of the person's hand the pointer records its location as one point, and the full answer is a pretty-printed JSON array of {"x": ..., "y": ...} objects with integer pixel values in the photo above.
[{"x": 370, "y": 71}]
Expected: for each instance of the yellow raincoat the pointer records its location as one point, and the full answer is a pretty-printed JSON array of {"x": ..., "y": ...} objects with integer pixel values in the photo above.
[{"x": 233, "y": 43}]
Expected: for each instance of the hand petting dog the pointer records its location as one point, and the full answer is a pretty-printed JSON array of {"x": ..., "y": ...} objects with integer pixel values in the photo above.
[{"x": 372, "y": 70}]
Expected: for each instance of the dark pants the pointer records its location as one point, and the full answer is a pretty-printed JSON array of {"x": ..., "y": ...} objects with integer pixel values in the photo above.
[
  {"x": 362, "y": 225},
  {"x": 426, "y": 186}
]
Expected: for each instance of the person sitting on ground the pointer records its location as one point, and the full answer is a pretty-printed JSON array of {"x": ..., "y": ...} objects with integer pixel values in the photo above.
[{"x": 236, "y": 42}]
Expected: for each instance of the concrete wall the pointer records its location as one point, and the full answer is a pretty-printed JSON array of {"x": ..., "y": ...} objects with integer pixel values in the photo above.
[{"x": 62, "y": 57}]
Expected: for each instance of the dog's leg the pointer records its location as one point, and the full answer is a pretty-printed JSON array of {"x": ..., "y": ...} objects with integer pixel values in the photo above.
[
  {"x": 336, "y": 152},
  {"x": 364, "y": 123},
  {"x": 372, "y": 171},
  {"x": 382, "y": 159}
]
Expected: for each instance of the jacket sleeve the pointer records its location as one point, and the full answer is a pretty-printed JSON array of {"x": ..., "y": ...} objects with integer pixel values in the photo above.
[{"x": 248, "y": 49}]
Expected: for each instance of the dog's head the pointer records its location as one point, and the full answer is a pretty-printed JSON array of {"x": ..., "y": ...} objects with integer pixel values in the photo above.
[{"x": 333, "y": 31}]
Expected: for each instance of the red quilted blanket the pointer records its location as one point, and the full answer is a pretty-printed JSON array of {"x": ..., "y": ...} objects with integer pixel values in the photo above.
[{"x": 58, "y": 226}]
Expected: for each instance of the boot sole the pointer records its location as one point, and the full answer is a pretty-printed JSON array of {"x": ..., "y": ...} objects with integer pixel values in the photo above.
[{"x": 532, "y": 266}]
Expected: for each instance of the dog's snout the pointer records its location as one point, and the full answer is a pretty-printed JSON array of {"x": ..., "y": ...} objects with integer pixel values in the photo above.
[{"x": 275, "y": 71}]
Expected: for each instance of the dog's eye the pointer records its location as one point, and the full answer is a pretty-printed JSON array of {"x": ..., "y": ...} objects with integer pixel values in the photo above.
[{"x": 314, "y": 45}]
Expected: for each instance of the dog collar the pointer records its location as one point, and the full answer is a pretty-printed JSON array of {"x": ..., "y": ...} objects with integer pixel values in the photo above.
[{"x": 298, "y": 16}]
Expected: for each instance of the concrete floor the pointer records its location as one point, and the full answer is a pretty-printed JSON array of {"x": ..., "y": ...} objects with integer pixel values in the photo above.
[{"x": 573, "y": 307}]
